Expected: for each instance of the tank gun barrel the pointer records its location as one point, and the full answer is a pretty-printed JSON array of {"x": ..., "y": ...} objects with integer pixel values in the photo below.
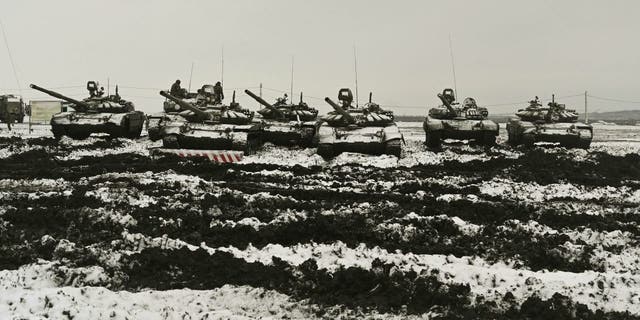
[
  {"x": 264, "y": 103},
  {"x": 54, "y": 94},
  {"x": 339, "y": 110},
  {"x": 202, "y": 114},
  {"x": 446, "y": 103}
]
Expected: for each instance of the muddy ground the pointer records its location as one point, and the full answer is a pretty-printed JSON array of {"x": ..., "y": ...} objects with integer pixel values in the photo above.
[{"x": 424, "y": 230}]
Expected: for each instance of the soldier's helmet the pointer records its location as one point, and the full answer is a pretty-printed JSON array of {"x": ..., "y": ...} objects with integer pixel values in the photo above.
[{"x": 470, "y": 103}]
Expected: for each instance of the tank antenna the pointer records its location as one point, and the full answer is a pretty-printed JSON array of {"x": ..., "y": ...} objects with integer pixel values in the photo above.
[
  {"x": 13, "y": 66},
  {"x": 355, "y": 65},
  {"x": 453, "y": 69},
  {"x": 586, "y": 114},
  {"x": 190, "y": 77},
  {"x": 222, "y": 68},
  {"x": 292, "y": 77}
]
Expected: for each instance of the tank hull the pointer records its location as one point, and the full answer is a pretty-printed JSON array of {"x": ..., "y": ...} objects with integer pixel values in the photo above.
[
  {"x": 482, "y": 131},
  {"x": 205, "y": 136},
  {"x": 570, "y": 135},
  {"x": 157, "y": 122},
  {"x": 290, "y": 133},
  {"x": 80, "y": 125},
  {"x": 374, "y": 140}
]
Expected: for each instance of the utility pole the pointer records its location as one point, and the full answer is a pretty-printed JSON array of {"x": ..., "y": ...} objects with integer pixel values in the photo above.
[{"x": 586, "y": 114}]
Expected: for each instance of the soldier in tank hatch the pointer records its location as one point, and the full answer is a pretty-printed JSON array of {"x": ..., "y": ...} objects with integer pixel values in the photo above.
[
  {"x": 218, "y": 93},
  {"x": 177, "y": 91}
]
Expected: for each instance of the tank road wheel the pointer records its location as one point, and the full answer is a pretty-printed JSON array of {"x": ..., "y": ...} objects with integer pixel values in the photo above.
[
  {"x": 79, "y": 135},
  {"x": 488, "y": 139},
  {"x": 134, "y": 133},
  {"x": 583, "y": 143},
  {"x": 170, "y": 142},
  {"x": 433, "y": 139},
  {"x": 528, "y": 140},
  {"x": 512, "y": 139},
  {"x": 57, "y": 132},
  {"x": 252, "y": 146},
  {"x": 393, "y": 148},
  {"x": 326, "y": 151}
]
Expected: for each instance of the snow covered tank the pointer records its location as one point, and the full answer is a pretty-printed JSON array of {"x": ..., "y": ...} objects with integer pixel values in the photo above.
[
  {"x": 286, "y": 123},
  {"x": 11, "y": 109},
  {"x": 202, "y": 125},
  {"x": 453, "y": 121},
  {"x": 96, "y": 114},
  {"x": 368, "y": 129},
  {"x": 553, "y": 124}
]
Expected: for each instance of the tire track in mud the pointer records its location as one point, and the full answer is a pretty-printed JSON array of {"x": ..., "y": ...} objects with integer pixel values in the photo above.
[
  {"x": 430, "y": 209},
  {"x": 386, "y": 224},
  {"x": 383, "y": 287},
  {"x": 536, "y": 165}
]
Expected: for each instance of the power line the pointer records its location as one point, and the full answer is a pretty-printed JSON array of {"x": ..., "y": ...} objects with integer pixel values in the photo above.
[
  {"x": 6, "y": 43},
  {"x": 612, "y": 99}
]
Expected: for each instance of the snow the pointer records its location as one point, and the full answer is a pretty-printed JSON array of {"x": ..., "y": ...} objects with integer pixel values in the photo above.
[
  {"x": 533, "y": 192},
  {"x": 35, "y": 292},
  {"x": 55, "y": 289},
  {"x": 609, "y": 291}
]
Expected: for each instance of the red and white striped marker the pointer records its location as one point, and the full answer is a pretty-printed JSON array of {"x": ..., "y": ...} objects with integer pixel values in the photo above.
[{"x": 225, "y": 156}]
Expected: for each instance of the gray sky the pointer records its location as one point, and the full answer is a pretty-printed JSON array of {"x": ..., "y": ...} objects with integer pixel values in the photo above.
[{"x": 505, "y": 51}]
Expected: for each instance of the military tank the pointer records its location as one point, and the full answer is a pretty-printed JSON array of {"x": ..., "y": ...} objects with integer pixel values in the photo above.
[
  {"x": 96, "y": 114},
  {"x": 286, "y": 123},
  {"x": 453, "y": 121},
  {"x": 368, "y": 129},
  {"x": 553, "y": 124},
  {"x": 203, "y": 125}
]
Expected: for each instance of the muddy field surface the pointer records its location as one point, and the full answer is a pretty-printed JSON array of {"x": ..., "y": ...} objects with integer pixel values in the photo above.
[{"x": 99, "y": 228}]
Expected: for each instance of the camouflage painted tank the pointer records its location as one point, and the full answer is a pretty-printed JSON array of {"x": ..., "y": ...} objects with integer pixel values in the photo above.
[
  {"x": 96, "y": 114},
  {"x": 368, "y": 129},
  {"x": 200, "y": 124},
  {"x": 554, "y": 124},
  {"x": 453, "y": 121},
  {"x": 286, "y": 123},
  {"x": 204, "y": 99}
]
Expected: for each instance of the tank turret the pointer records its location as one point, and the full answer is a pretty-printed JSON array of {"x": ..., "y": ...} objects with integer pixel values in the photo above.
[
  {"x": 287, "y": 124},
  {"x": 345, "y": 115},
  {"x": 202, "y": 115},
  {"x": 271, "y": 108},
  {"x": 80, "y": 105},
  {"x": 554, "y": 112}
]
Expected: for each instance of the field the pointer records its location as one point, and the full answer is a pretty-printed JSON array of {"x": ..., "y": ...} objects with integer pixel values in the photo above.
[{"x": 98, "y": 229}]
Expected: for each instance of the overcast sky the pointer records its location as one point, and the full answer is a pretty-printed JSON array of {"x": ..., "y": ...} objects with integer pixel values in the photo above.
[{"x": 505, "y": 51}]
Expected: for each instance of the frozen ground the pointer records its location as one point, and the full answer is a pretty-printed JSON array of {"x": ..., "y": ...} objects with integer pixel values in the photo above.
[{"x": 97, "y": 229}]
